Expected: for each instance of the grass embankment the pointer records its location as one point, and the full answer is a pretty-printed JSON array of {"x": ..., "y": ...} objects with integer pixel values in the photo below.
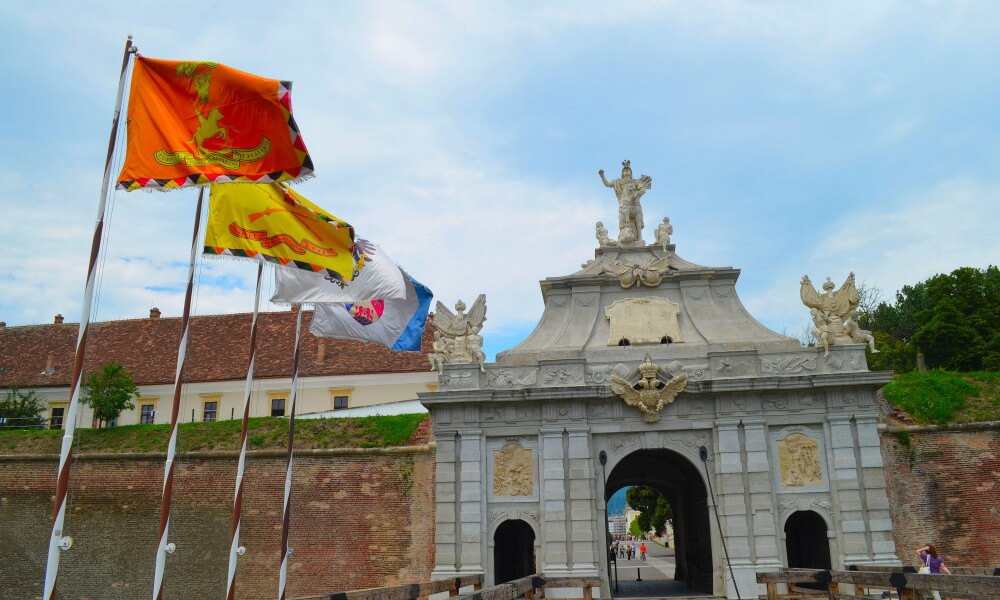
[
  {"x": 263, "y": 433},
  {"x": 946, "y": 396}
]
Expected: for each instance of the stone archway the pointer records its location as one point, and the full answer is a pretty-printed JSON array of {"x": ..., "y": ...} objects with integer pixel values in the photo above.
[
  {"x": 806, "y": 541},
  {"x": 514, "y": 551},
  {"x": 678, "y": 480}
]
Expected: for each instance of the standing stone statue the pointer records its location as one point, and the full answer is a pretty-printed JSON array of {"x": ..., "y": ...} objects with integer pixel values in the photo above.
[
  {"x": 629, "y": 191},
  {"x": 663, "y": 231}
]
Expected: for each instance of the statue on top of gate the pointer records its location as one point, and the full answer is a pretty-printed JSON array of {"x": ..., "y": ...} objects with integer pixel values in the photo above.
[
  {"x": 628, "y": 191},
  {"x": 459, "y": 340},
  {"x": 835, "y": 313}
]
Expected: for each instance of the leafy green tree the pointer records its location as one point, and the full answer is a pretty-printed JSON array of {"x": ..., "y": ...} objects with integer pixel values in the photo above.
[
  {"x": 654, "y": 510},
  {"x": 109, "y": 391},
  {"x": 948, "y": 339},
  {"x": 22, "y": 409},
  {"x": 635, "y": 529}
]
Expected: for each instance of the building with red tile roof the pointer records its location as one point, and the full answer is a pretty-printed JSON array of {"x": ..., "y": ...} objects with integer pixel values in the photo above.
[{"x": 334, "y": 373}]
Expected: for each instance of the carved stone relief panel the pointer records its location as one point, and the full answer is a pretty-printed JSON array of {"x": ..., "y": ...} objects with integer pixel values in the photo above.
[
  {"x": 643, "y": 321},
  {"x": 513, "y": 378},
  {"x": 459, "y": 379},
  {"x": 733, "y": 364},
  {"x": 513, "y": 471},
  {"x": 604, "y": 410},
  {"x": 499, "y": 514},
  {"x": 553, "y": 375},
  {"x": 799, "y": 461},
  {"x": 790, "y": 364}
]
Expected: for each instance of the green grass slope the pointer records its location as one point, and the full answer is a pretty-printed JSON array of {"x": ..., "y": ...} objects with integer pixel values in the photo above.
[
  {"x": 946, "y": 396},
  {"x": 263, "y": 433}
]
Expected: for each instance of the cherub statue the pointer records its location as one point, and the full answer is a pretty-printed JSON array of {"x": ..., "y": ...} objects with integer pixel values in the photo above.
[
  {"x": 663, "y": 231},
  {"x": 602, "y": 236},
  {"x": 823, "y": 333},
  {"x": 628, "y": 191},
  {"x": 462, "y": 330},
  {"x": 649, "y": 394},
  {"x": 861, "y": 336},
  {"x": 437, "y": 358}
]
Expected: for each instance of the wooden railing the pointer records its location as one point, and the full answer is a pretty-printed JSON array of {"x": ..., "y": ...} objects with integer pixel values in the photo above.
[
  {"x": 406, "y": 591},
  {"x": 531, "y": 587},
  {"x": 853, "y": 585}
]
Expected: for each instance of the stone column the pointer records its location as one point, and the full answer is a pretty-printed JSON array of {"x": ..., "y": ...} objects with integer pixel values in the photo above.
[
  {"x": 555, "y": 558},
  {"x": 583, "y": 525},
  {"x": 876, "y": 502},
  {"x": 445, "y": 514},
  {"x": 471, "y": 502},
  {"x": 733, "y": 501},
  {"x": 764, "y": 529},
  {"x": 844, "y": 481}
]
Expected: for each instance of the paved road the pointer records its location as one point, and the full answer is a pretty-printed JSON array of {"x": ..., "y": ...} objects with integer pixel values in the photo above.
[{"x": 656, "y": 572}]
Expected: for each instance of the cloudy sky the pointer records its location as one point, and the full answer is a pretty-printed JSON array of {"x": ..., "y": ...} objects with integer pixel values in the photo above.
[{"x": 465, "y": 138}]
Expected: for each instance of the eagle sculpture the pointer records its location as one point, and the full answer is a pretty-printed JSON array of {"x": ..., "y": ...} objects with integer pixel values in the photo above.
[{"x": 649, "y": 394}]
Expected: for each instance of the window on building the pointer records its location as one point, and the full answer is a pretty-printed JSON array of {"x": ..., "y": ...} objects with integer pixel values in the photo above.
[
  {"x": 57, "y": 417},
  {"x": 277, "y": 407},
  {"x": 147, "y": 414},
  {"x": 340, "y": 402},
  {"x": 211, "y": 412}
]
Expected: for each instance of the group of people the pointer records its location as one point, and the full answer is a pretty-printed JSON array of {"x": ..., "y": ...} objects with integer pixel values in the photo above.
[{"x": 628, "y": 549}]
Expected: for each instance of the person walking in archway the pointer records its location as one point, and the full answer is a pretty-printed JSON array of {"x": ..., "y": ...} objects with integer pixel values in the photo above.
[{"x": 642, "y": 551}]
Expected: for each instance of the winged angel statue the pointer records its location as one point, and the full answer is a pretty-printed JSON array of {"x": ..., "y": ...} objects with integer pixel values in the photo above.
[
  {"x": 457, "y": 338},
  {"x": 835, "y": 313},
  {"x": 649, "y": 394}
]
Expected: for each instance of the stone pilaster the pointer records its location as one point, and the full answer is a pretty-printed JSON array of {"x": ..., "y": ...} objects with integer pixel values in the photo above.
[
  {"x": 583, "y": 525},
  {"x": 876, "y": 502},
  {"x": 555, "y": 556},
  {"x": 471, "y": 502},
  {"x": 763, "y": 522},
  {"x": 846, "y": 485}
]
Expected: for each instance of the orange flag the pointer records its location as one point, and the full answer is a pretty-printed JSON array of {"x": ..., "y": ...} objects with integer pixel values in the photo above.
[{"x": 195, "y": 123}]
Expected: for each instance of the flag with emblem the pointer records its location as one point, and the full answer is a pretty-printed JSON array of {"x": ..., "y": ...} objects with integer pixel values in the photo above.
[
  {"x": 272, "y": 222},
  {"x": 380, "y": 278},
  {"x": 196, "y": 122},
  {"x": 394, "y": 322}
]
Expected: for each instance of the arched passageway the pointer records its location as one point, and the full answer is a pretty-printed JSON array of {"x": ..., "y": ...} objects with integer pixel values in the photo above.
[
  {"x": 513, "y": 551},
  {"x": 680, "y": 483},
  {"x": 806, "y": 541}
]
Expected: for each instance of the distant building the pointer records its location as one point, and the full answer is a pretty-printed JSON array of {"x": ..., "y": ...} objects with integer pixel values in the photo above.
[
  {"x": 616, "y": 524},
  {"x": 334, "y": 374}
]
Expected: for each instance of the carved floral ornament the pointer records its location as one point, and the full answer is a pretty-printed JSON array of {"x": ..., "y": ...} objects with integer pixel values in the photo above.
[{"x": 649, "y": 394}]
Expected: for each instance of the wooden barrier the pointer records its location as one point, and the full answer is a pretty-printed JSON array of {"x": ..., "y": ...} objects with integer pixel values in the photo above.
[
  {"x": 987, "y": 571},
  {"x": 406, "y": 591},
  {"x": 907, "y": 585},
  {"x": 531, "y": 587}
]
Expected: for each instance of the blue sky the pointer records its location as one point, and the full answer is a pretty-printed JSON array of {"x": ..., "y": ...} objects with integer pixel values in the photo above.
[{"x": 465, "y": 138}]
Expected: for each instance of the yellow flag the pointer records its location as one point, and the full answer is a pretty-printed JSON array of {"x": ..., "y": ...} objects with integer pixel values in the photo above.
[{"x": 271, "y": 222}]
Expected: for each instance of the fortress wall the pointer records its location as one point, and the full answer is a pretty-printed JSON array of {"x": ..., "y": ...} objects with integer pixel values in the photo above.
[
  {"x": 944, "y": 488},
  {"x": 359, "y": 519}
]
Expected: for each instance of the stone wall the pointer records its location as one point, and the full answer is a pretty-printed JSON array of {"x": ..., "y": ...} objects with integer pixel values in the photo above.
[
  {"x": 944, "y": 488},
  {"x": 360, "y": 518}
]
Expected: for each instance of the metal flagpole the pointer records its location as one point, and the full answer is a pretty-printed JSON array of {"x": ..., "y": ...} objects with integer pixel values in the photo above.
[
  {"x": 57, "y": 541},
  {"x": 163, "y": 548},
  {"x": 286, "y": 507},
  {"x": 235, "y": 549}
]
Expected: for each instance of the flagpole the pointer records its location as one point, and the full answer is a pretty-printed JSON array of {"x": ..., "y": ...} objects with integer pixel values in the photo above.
[
  {"x": 235, "y": 549},
  {"x": 286, "y": 506},
  {"x": 57, "y": 541},
  {"x": 163, "y": 548}
]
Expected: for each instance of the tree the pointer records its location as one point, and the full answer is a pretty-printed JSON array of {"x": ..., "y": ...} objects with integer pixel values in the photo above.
[
  {"x": 654, "y": 510},
  {"x": 22, "y": 409},
  {"x": 635, "y": 529},
  {"x": 109, "y": 391}
]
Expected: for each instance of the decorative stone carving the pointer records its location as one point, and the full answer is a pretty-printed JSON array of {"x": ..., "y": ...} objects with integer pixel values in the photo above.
[
  {"x": 512, "y": 378},
  {"x": 460, "y": 341},
  {"x": 643, "y": 321},
  {"x": 835, "y": 313},
  {"x": 649, "y": 394},
  {"x": 463, "y": 379},
  {"x": 663, "y": 231},
  {"x": 561, "y": 374},
  {"x": 798, "y": 457},
  {"x": 513, "y": 472},
  {"x": 629, "y": 191},
  {"x": 498, "y": 515},
  {"x": 602, "y": 236},
  {"x": 787, "y": 365}
]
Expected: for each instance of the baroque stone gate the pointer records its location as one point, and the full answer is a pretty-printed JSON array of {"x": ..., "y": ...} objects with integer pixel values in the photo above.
[{"x": 651, "y": 363}]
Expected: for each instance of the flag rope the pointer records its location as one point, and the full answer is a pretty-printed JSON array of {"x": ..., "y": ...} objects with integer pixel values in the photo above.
[
  {"x": 286, "y": 506},
  {"x": 163, "y": 548},
  {"x": 235, "y": 549},
  {"x": 59, "y": 542}
]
